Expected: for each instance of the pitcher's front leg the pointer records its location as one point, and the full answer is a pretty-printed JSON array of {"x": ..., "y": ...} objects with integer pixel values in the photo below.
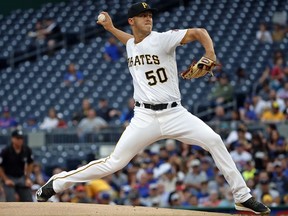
[{"x": 137, "y": 136}]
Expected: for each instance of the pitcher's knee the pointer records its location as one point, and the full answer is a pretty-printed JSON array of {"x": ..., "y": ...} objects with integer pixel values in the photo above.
[
  {"x": 215, "y": 139},
  {"x": 118, "y": 163}
]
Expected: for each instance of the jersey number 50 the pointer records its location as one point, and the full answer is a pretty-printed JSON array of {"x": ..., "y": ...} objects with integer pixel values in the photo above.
[{"x": 156, "y": 76}]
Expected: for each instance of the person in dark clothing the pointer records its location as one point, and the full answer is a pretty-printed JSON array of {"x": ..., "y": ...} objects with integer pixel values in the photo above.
[
  {"x": 16, "y": 163},
  {"x": 105, "y": 111}
]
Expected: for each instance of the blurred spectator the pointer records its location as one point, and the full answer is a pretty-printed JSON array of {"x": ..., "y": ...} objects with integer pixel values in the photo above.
[
  {"x": 267, "y": 199},
  {"x": 178, "y": 165},
  {"x": 259, "y": 151},
  {"x": 168, "y": 180},
  {"x": 134, "y": 199},
  {"x": 228, "y": 200},
  {"x": 61, "y": 122},
  {"x": 276, "y": 144},
  {"x": 259, "y": 105},
  {"x": 280, "y": 180},
  {"x": 164, "y": 195},
  {"x": 265, "y": 189},
  {"x": 6, "y": 121},
  {"x": 193, "y": 201},
  {"x": 15, "y": 169},
  {"x": 174, "y": 200},
  {"x": 170, "y": 146},
  {"x": 143, "y": 186},
  {"x": 195, "y": 175},
  {"x": 128, "y": 113},
  {"x": 65, "y": 196},
  {"x": 278, "y": 33},
  {"x": 51, "y": 121},
  {"x": 283, "y": 91},
  {"x": 263, "y": 35},
  {"x": 105, "y": 111},
  {"x": 265, "y": 88},
  {"x": 53, "y": 33},
  {"x": 48, "y": 31},
  {"x": 118, "y": 179},
  {"x": 95, "y": 187},
  {"x": 241, "y": 133},
  {"x": 80, "y": 194},
  {"x": 90, "y": 125},
  {"x": 154, "y": 155},
  {"x": 57, "y": 170},
  {"x": 38, "y": 176},
  {"x": 241, "y": 76},
  {"x": 163, "y": 155},
  {"x": 112, "y": 52},
  {"x": 247, "y": 112},
  {"x": 213, "y": 199},
  {"x": 249, "y": 170},
  {"x": 122, "y": 198},
  {"x": 207, "y": 166},
  {"x": 203, "y": 193},
  {"x": 185, "y": 150},
  {"x": 285, "y": 200},
  {"x": 286, "y": 109},
  {"x": 31, "y": 124},
  {"x": 240, "y": 156},
  {"x": 273, "y": 114},
  {"x": 105, "y": 198},
  {"x": 241, "y": 87},
  {"x": 150, "y": 175},
  {"x": 274, "y": 98},
  {"x": 220, "y": 116},
  {"x": 154, "y": 197},
  {"x": 219, "y": 184},
  {"x": 222, "y": 92},
  {"x": 73, "y": 76},
  {"x": 132, "y": 169},
  {"x": 82, "y": 113},
  {"x": 39, "y": 38},
  {"x": 277, "y": 73}
]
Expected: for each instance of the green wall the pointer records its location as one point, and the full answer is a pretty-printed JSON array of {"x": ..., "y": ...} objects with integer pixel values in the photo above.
[{"x": 6, "y": 6}]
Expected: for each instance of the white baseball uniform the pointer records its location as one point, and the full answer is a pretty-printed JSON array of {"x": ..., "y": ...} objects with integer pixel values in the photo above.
[{"x": 158, "y": 115}]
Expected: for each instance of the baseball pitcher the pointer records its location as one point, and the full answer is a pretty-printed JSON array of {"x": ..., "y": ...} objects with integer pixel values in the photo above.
[{"x": 151, "y": 60}]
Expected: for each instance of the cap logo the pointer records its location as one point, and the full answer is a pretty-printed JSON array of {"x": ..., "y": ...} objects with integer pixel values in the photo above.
[{"x": 145, "y": 5}]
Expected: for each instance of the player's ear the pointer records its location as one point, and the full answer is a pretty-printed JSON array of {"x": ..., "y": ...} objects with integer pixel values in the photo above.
[{"x": 130, "y": 21}]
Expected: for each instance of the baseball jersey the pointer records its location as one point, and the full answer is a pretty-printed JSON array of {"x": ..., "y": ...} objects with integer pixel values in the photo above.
[
  {"x": 152, "y": 64},
  {"x": 14, "y": 163}
]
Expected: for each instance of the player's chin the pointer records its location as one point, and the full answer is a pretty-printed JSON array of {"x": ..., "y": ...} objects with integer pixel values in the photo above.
[
  {"x": 148, "y": 28},
  {"x": 148, "y": 25}
]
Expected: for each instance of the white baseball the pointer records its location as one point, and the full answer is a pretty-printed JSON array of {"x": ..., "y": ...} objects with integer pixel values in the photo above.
[{"x": 101, "y": 17}]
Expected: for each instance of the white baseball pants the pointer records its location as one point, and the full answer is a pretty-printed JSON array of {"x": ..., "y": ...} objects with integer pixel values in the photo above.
[{"x": 147, "y": 127}]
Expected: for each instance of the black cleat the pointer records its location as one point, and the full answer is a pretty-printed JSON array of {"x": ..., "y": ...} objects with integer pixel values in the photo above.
[
  {"x": 254, "y": 206},
  {"x": 45, "y": 192}
]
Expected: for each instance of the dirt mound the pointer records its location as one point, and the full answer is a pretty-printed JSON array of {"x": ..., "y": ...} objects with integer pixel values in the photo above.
[{"x": 73, "y": 209}]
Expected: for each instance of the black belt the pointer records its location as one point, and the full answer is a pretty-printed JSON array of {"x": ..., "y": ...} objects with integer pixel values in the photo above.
[{"x": 155, "y": 107}]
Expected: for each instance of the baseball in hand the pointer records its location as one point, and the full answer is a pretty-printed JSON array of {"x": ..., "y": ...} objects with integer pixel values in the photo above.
[{"x": 101, "y": 17}]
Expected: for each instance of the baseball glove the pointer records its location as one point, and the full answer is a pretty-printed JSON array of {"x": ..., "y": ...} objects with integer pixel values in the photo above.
[{"x": 199, "y": 69}]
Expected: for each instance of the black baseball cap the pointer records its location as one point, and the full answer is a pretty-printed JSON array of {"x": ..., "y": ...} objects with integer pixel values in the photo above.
[
  {"x": 138, "y": 8},
  {"x": 17, "y": 133}
]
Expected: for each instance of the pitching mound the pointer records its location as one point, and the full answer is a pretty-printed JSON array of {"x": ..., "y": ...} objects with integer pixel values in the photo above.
[{"x": 73, "y": 209}]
